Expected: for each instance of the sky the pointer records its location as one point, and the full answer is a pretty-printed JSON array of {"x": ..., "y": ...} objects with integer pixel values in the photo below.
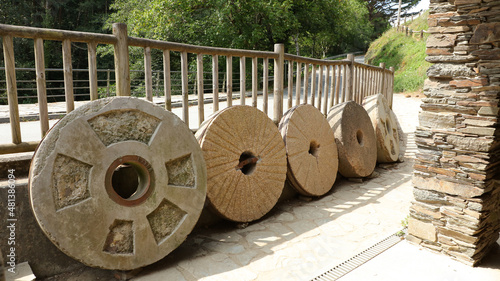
[{"x": 424, "y": 4}]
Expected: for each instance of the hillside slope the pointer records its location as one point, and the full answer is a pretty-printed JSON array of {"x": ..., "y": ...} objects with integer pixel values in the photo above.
[{"x": 405, "y": 54}]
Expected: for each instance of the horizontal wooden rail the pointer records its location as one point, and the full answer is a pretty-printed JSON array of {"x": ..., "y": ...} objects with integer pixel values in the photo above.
[{"x": 291, "y": 80}]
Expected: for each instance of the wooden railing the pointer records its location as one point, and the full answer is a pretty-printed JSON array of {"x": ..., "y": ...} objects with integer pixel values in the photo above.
[{"x": 338, "y": 81}]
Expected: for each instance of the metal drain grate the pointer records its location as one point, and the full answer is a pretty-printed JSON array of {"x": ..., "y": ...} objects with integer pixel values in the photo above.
[{"x": 361, "y": 258}]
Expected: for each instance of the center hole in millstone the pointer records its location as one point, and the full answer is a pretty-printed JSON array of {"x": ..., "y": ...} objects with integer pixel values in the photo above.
[
  {"x": 129, "y": 180},
  {"x": 314, "y": 148},
  {"x": 247, "y": 162},
  {"x": 125, "y": 180},
  {"x": 359, "y": 137}
]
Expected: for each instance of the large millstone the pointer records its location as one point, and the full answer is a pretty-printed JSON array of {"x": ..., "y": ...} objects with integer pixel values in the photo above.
[
  {"x": 386, "y": 128},
  {"x": 118, "y": 183},
  {"x": 311, "y": 150},
  {"x": 246, "y": 162},
  {"x": 355, "y": 139}
]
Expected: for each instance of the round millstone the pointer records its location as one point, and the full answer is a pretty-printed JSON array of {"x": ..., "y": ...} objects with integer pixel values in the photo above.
[
  {"x": 311, "y": 150},
  {"x": 118, "y": 183},
  {"x": 246, "y": 163},
  {"x": 386, "y": 128},
  {"x": 355, "y": 139}
]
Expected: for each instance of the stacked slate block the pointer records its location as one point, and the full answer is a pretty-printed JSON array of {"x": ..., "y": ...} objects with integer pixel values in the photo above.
[{"x": 456, "y": 173}]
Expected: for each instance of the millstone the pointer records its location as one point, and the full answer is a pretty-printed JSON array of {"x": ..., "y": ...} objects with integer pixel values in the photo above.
[
  {"x": 311, "y": 150},
  {"x": 385, "y": 125},
  {"x": 118, "y": 183},
  {"x": 355, "y": 139},
  {"x": 402, "y": 142},
  {"x": 246, "y": 162}
]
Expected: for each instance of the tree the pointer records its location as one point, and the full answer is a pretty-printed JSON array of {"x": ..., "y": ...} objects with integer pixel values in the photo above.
[
  {"x": 318, "y": 27},
  {"x": 80, "y": 15},
  {"x": 380, "y": 12}
]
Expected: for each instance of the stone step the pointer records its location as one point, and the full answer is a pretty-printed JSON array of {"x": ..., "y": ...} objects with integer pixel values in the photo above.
[{"x": 19, "y": 162}]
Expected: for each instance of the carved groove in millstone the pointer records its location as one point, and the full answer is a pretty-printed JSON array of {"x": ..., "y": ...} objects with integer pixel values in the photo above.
[
  {"x": 180, "y": 171},
  {"x": 113, "y": 229},
  {"x": 386, "y": 128},
  {"x": 118, "y": 126},
  {"x": 70, "y": 179},
  {"x": 355, "y": 139},
  {"x": 120, "y": 239},
  {"x": 311, "y": 150},
  {"x": 246, "y": 163}
]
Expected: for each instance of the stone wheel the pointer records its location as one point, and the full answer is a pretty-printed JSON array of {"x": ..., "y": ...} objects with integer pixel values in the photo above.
[
  {"x": 118, "y": 183},
  {"x": 246, "y": 163},
  {"x": 355, "y": 139},
  {"x": 386, "y": 128},
  {"x": 311, "y": 150}
]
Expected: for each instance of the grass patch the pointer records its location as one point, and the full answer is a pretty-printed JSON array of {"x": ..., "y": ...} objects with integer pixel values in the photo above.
[{"x": 405, "y": 54}]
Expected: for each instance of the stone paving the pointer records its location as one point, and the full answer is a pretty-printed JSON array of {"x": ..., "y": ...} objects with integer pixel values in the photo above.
[{"x": 300, "y": 238}]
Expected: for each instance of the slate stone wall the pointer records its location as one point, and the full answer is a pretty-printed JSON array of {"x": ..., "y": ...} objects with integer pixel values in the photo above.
[{"x": 457, "y": 170}]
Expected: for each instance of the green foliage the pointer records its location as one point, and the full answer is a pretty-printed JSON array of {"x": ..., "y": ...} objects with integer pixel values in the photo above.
[
  {"x": 405, "y": 54},
  {"x": 312, "y": 28}
]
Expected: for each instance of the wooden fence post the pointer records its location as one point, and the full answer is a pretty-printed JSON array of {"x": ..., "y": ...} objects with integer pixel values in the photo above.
[
  {"x": 243, "y": 86},
  {"x": 391, "y": 86},
  {"x": 92, "y": 53},
  {"x": 185, "y": 87},
  {"x": 68, "y": 76},
  {"x": 279, "y": 65},
  {"x": 201, "y": 94},
  {"x": 10, "y": 77},
  {"x": 215, "y": 82},
  {"x": 167, "y": 83},
  {"x": 350, "y": 78},
  {"x": 148, "y": 74},
  {"x": 122, "y": 69},
  {"x": 382, "y": 79},
  {"x": 41, "y": 86}
]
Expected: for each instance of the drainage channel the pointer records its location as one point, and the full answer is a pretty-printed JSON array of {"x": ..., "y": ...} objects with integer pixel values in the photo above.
[{"x": 356, "y": 261}]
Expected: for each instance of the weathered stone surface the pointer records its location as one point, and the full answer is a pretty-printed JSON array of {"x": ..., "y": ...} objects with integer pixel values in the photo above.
[
  {"x": 466, "y": 2},
  {"x": 491, "y": 54},
  {"x": 478, "y": 131},
  {"x": 423, "y": 230},
  {"x": 488, "y": 111},
  {"x": 439, "y": 51},
  {"x": 448, "y": 29},
  {"x": 91, "y": 220},
  {"x": 470, "y": 144},
  {"x": 453, "y": 59},
  {"x": 471, "y": 82},
  {"x": 355, "y": 139},
  {"x": 246, "y": 163},
  {"x": 427, "y": 210},
  {"x": 437, "y": 119},
  {"x": 311, "y": 150},
  {"x": 447, "y": 187},
  {"x": 441, "y": 40},
  {"x": 448, "y": 70},
  {"x": 486, "y": 33},
  {"x": 385, "y": 126}
]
